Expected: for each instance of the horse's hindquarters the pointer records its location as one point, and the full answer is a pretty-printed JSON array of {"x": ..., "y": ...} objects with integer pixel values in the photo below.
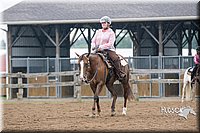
[{"x": 197, "y": 89}]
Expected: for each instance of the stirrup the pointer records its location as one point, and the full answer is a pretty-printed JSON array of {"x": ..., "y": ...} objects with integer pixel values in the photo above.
[
  {"x": 193, "y": 80},
  {"x": 124, "y": 75},
  {"x": 120, "y": 77}
]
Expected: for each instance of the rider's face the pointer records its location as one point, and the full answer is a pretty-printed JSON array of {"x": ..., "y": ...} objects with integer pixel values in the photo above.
[{"x": 105, "y": 25}]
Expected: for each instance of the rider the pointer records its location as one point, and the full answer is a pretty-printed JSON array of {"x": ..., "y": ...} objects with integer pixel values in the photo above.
[
  {"x": 103, "y": 41},
  {"x": 197, "y": 62}
]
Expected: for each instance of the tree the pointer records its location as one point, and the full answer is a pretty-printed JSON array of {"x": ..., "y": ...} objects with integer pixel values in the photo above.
[
  {"x": 2, "y": 44},
  {"x": 125, "y": 42}
]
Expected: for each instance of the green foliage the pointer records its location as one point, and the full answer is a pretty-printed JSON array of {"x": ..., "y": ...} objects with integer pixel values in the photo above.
[
  {"x": 125, "y": 43},
  {"x": 80, "y": 43},
  {"x": 2, "y": 44}
]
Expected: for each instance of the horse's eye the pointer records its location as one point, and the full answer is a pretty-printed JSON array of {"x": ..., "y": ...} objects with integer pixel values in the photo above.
[{"x": 87, "y": 65}]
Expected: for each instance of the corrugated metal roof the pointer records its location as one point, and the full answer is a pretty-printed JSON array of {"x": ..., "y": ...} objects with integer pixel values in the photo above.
[{"x": 29, "y": 12}]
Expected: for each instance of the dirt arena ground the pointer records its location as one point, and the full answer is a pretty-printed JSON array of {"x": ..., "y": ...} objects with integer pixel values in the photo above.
[{"x": 72, "y": 115}]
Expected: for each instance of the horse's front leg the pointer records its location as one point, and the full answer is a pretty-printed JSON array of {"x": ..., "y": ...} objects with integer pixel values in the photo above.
[
  {"x": 96, "y": 96},
  {"x": 110, "y": 87},
  {"x": 93, "y": 87},
  {"x": 93, "y": 109},
  {"x": 96, "y": 100},
  {"x": 113, "y": 113}
]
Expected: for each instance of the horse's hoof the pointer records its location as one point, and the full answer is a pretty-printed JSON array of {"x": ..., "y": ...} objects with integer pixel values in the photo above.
[
  {"x": 124, "y": 114},
  {"x": 98, "y": 115},
  {"x": 113, "y": 113},
  {"x": 92, "y": 116},
  {"x": 182, "y": 101},
  {"x": 124, "y": 111}
]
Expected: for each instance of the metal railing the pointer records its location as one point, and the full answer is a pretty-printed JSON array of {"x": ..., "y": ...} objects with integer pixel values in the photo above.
[{"x": 165, "y": 64}]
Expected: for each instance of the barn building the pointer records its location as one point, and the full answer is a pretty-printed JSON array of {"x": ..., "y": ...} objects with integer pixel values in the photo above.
[{"x": 40, "y": 34}]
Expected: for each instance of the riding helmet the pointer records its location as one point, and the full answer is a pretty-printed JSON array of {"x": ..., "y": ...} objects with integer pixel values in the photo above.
[{"x": 105, "y": 19}]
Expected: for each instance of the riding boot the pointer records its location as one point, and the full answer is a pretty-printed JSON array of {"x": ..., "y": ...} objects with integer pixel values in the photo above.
[
  {"x": 115, "y": 60},
  {"x": 119, "y": 71}
]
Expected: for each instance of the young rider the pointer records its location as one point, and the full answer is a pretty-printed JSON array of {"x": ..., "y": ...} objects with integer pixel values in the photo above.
[
  {"x": 103, "y": 41},
  {"x": 197, "y": 62}
]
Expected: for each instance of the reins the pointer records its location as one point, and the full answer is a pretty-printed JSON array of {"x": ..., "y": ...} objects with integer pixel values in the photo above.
[{"x": 95, "y": 74}]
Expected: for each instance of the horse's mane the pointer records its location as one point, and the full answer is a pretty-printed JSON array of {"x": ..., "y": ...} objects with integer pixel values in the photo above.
[{"x": 88, "y": 55}]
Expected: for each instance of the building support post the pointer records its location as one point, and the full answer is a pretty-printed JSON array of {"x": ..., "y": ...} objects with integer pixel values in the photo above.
[
  {"x": 9, "y": 65},
  {"x": 57, "y": 63},
  {"x": 160, "y": 56},
  {"x": 161, "y": 51},
  {"x": 89, "y": 40},
  {"x": 189, "y": 42},
  {"x": 179, "y": 32}
]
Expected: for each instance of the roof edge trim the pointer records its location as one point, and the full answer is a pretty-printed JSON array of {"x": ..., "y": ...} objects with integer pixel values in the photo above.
[{"x": 174, "y": 18}]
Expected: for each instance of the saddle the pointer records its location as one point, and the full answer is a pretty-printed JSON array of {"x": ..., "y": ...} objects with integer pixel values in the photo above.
[{"x": 107, "y": 61}]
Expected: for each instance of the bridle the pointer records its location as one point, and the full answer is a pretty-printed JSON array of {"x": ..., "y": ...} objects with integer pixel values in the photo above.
[{"x": 95, "y": 74}]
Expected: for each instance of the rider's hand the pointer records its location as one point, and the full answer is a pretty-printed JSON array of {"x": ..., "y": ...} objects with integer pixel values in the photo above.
[{"x": 99, "y": 49}]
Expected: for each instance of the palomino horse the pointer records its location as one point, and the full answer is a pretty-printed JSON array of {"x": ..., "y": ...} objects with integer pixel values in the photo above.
[
  {"x": 93, "y": 70},
  {"x": 190, "y": 89}
]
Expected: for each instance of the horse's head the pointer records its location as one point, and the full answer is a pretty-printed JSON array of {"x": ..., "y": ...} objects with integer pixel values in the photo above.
[
  {"x": 188, "y": 109},
  {"x": 192, "y": 111},
  {"x": 84, "y": 66}
]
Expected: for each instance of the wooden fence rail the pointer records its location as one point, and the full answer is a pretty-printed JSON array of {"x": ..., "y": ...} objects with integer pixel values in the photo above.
[
  {"x": 21, "y": 85},
  {"x": 157, "y": 71},
  {"x": 34, "y": 75},
  {"x": 76, "y": 83}
]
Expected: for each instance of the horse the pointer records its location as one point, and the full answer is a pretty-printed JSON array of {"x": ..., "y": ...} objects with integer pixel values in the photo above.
[
  {"x": 186, "y": 82},
  {"x": 94, "y": 70},
  {"x": 188, "y": 85},
  {"x": 184, "y": 112}
]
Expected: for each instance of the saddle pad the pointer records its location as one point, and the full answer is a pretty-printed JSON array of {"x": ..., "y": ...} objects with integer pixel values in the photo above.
[{"x": 122, "y": 60}]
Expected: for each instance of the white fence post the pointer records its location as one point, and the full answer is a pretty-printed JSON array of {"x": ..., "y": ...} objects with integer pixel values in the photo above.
[
  {"x": 135, "y": 87},
  {"x": 20, "y": 84},
  {"x": 77, "y": 87}
]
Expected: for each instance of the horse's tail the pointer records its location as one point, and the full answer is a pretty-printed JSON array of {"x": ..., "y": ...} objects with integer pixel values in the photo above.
[
  {"x": 130, "y": 94},
  {"x": 185, "y": 77}
]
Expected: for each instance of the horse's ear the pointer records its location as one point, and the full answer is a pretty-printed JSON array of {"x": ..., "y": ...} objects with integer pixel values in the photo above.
[
  {"x": 77, "y": 54},
  {"x": 85, "y": 57}
]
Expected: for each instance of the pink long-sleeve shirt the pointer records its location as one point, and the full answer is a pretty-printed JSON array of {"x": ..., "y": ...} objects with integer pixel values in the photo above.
[
  {"x": 104, "y": 39},
  {"x": 196, "y": 59}
]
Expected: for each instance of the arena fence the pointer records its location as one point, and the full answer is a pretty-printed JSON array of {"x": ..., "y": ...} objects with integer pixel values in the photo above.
[
  {"x": 156, "y": 72},
  {"x": 76, "y": 83}
]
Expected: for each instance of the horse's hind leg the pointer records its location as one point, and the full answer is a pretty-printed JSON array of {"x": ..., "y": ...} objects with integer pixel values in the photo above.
[
  {"x": 127, "y": 94},
  {"x": 193, "y": 90},
  {"x": 183, "y": 91}
]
